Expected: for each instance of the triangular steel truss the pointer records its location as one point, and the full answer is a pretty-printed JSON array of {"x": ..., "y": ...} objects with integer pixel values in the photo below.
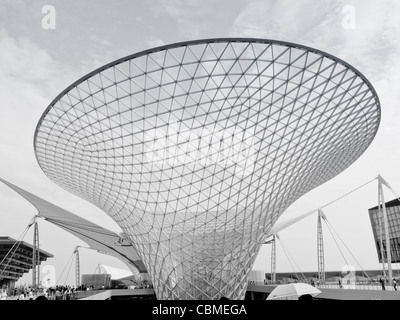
[{"x": 195, "y": 149}]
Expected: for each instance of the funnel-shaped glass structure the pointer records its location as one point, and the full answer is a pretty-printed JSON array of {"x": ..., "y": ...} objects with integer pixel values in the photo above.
[{"x": 195, "y": 149}]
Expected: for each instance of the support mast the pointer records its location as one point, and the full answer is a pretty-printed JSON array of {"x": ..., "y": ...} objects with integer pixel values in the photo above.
[
  {"x": 386, "y": 228},
  {"x": 35, "y": 257},
  {"x": 77, "y": 268},
  {"x": 273, "y": 259},
  {"x": 320, "y": 247}
]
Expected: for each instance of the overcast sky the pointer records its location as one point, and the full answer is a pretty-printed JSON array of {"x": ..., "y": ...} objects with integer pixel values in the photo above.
[{"x": 36, "y": 64}]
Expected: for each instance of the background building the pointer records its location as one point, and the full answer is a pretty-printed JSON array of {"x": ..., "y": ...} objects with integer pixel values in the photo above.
[
  {"x": 16, "y": 259},
  {"x": 376, "y": 217}
]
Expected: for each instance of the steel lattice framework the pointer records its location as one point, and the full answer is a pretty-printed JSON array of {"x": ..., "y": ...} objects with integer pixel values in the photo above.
[{"x": 195, "y": 149}]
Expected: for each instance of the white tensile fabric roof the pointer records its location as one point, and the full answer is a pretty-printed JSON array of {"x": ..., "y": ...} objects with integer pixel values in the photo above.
[
  {"x": 97, "y": 237},
  {"x": 116, "y": 273}
]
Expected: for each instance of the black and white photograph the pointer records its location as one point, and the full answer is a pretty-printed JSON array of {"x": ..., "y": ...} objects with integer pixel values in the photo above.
[{"x": 212, "y": 151}]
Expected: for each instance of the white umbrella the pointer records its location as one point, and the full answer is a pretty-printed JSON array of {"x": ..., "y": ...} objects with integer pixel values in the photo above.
[{"x": 292, "y": 291}]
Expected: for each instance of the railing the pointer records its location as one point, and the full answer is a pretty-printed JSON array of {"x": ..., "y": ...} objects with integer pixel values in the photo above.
[
  {"x": 85, "y": 294},
  {"x": 356, "y": 286},
  {"x": 335, "y": 285}
]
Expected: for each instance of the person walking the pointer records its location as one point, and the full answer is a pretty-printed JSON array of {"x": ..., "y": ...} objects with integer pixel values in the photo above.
[
  {"x": 382, "y": 283},
  {"x": 394, "y": 284}
]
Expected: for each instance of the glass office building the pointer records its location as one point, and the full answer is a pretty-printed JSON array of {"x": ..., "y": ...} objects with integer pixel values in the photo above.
[{"x": 393, "y": 215}]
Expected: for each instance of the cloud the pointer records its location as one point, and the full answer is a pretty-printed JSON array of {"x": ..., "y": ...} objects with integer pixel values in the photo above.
[
  {"x": 190, "y": 16},
  {"x": 27, "y": 76},
  {"x": 284, "y": 20},
  {"x": 30, "y": 79},
  {"x": 373, "y": 45},
  {"x": 154, "y": 42},
  {"x": 22, "y": 60}
]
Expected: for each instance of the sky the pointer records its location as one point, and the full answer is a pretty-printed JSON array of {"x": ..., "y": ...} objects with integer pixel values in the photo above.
[{"x": 37, "y": 63}]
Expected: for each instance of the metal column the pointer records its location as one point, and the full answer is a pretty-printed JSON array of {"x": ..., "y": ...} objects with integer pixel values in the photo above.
[
  {"x": 36, "y": 257},
  {"x": 320, "y": 247},
  {"x": 77, "y": 268},
  {"x": 381, "y": 233},
  {"x": 381, "y": 198},
  {"x": 273, "y": 259}
]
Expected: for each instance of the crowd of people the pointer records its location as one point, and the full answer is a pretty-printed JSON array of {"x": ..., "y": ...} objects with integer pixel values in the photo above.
[
  {"x": 56, "y": 293},
  {"x": 52, "y": 293},
  {"x": 59, "y": 292}
]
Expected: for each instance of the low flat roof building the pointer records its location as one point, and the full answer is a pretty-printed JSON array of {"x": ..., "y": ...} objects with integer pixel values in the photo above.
[{"x": 16, "y": 260}]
